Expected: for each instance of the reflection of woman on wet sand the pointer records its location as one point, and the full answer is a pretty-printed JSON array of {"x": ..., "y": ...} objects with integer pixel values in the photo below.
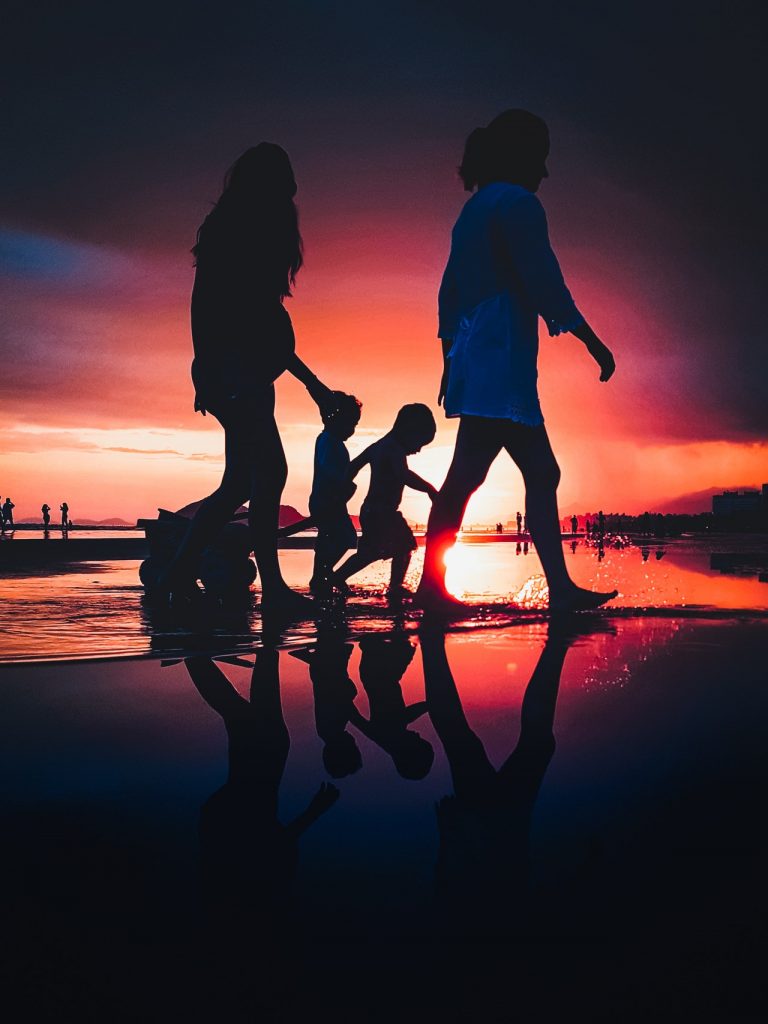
[
  {"x": 484, "y": 826},
  {"x": 501, "y": 276},
  {"x": 248, "y": 856}
]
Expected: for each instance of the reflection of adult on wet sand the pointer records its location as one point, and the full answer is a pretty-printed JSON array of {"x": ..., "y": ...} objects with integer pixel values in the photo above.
[
  {"x": 501, "y": 275},
  {"x": 248, "y": 856},
  {"x": 484, "y": 827}
]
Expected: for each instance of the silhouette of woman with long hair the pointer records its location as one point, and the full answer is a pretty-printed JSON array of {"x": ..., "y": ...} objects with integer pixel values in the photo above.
[
  {"x": 247, "y": 255},
  {"x": 501, "y": 276}
]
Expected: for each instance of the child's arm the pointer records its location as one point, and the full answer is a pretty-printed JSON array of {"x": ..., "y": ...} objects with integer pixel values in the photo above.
[
  {"x": 418, "y": 483},
  {"x": 358, "y": 462},
  {"x": 321, "y": 802}
]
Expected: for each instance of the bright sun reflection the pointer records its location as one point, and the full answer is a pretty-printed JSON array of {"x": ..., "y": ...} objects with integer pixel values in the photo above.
[{"x": 468, "y": 574}]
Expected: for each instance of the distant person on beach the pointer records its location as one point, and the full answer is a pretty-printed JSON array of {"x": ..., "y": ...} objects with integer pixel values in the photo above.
[
  {"x": 2, "y": 517},
  {"x": 8, "y": 507},
  {"x": 519, "y": 520},
  {"x": 501, "y": 276},
  {"x": 46, "y": 510},
  {"x": 247, "y": 255},
  {"x": 64, "y": 509},
  {"x": 385, "y": 533},
  {"x": 574, "y": 524},
  {"x": 332, "y": 489}
]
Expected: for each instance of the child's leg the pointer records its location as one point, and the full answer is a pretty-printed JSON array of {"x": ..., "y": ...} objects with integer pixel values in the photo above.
[
  {"x": 352, "y": 565},
  {"x": 400, "y": 565}
]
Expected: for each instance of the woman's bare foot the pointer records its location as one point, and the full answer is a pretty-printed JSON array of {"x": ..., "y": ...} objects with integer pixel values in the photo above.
[
  {"x": 578, "y": 599},
  {"x": 438, "y": 604}
]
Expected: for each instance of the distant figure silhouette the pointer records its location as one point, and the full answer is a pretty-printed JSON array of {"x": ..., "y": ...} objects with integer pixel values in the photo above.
[
  {"x": 519, "y": 520},
  {"x": 501, "y": 275},
  {"x": 334, "y": 694},
  {"x": 383, "y": 662},
  {"x": 385, "y": 533},
  {"x": 574, "y": 524},
  {"x": 2, "y": 517},
  {"x": 600, "y": 523},
  {"x": 64, "y": 509},
  {"x": 247, "y": 255},
  {"x": 332, "y": 489},
  {"x": 46, "y": 510},
  {"x": 8, "y": 507}
]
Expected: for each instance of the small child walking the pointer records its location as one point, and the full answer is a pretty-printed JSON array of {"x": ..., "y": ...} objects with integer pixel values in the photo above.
[
  {"x": 332, "y": 488},
  {"x": 385, "y": 533}
]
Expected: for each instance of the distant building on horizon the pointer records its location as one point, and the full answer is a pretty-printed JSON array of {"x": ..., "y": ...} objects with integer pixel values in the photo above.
[{"x": 740, "y": 502}]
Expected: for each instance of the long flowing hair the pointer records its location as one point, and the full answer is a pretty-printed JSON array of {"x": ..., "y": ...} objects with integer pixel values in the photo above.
[{"x": 256, "y": 212}]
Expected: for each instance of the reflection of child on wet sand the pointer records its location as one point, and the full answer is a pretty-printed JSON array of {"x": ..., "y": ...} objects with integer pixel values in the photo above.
[
  {"x": 382, "y": 666},
  {"x": 332, "y": 488},
  {"x": 334, "y": 694},
  {"x": 385, "y": 531}
]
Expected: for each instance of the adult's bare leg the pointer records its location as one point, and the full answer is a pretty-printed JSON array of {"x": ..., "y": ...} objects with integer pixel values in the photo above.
[
  {"x": 213, "y": 514},
  {"x": 531, "y": 450},
  {"x": 478, "y": 442},
  {"x": 268, "y": 473}
]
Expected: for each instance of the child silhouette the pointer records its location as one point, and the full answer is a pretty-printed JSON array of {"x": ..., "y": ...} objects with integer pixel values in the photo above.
[
  {"x": 332, "y": 488},
  {"x": 385, "y": 532}
]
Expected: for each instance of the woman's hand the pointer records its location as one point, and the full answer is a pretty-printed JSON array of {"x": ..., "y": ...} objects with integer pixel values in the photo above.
[
  {"x": 321, "y": 395},
  {"x": 599, "y": 352},
  {"x": 604, "y": 359}
]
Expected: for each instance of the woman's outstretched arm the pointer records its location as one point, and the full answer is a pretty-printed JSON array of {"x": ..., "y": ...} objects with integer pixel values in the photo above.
[{"x": 320, "y": 394}]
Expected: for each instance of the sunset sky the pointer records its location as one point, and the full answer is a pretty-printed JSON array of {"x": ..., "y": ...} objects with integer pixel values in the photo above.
[{"x": 116, "y": 137}]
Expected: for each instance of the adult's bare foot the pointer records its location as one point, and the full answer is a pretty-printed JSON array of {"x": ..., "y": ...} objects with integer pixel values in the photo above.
[
  {"x": 578, "y": 599},
  {"x": 438, "y": 604}
]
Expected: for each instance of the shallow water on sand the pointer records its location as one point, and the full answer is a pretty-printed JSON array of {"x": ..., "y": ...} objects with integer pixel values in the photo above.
[
  {"x": 96, "y": 609},
  {"x": 153, "y": 873}
]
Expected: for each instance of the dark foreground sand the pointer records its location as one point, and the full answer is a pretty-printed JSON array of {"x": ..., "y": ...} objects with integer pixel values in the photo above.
[{"x": 620, "y": 877}]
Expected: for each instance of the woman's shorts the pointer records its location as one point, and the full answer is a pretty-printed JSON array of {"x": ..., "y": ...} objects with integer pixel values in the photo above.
[{"x": 385, "y": 534}]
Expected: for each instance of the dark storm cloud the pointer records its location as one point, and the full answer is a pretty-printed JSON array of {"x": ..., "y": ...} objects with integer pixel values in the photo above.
[{"x": 124, "y": 119}]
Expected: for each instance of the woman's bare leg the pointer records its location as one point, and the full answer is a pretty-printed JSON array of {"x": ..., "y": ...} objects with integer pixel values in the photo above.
[
  {"x": 531, "y": 450},
  {"x": 478, "y": 442},
  {"x": 268, "y": 473}
]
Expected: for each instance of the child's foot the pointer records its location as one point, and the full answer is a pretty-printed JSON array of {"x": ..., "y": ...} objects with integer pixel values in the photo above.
[{"x": 578, "y": 599}]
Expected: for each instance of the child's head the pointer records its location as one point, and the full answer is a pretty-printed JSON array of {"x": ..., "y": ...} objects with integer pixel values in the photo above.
[
  {"x": 341, "y": 756},
  {"x": 414, "y": 427},
  {"x": 413, "y": 756},
  {"x": 343, "y": 415}
]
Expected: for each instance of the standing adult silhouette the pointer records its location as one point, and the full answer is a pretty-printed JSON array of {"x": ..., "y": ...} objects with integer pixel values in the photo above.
[
  {"x": 501, "y": 276},
  {"x": 247, "y": 255}
]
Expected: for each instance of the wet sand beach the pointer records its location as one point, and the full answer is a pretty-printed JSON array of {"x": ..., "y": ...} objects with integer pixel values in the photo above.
[{"x": 584, "y": 837}]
